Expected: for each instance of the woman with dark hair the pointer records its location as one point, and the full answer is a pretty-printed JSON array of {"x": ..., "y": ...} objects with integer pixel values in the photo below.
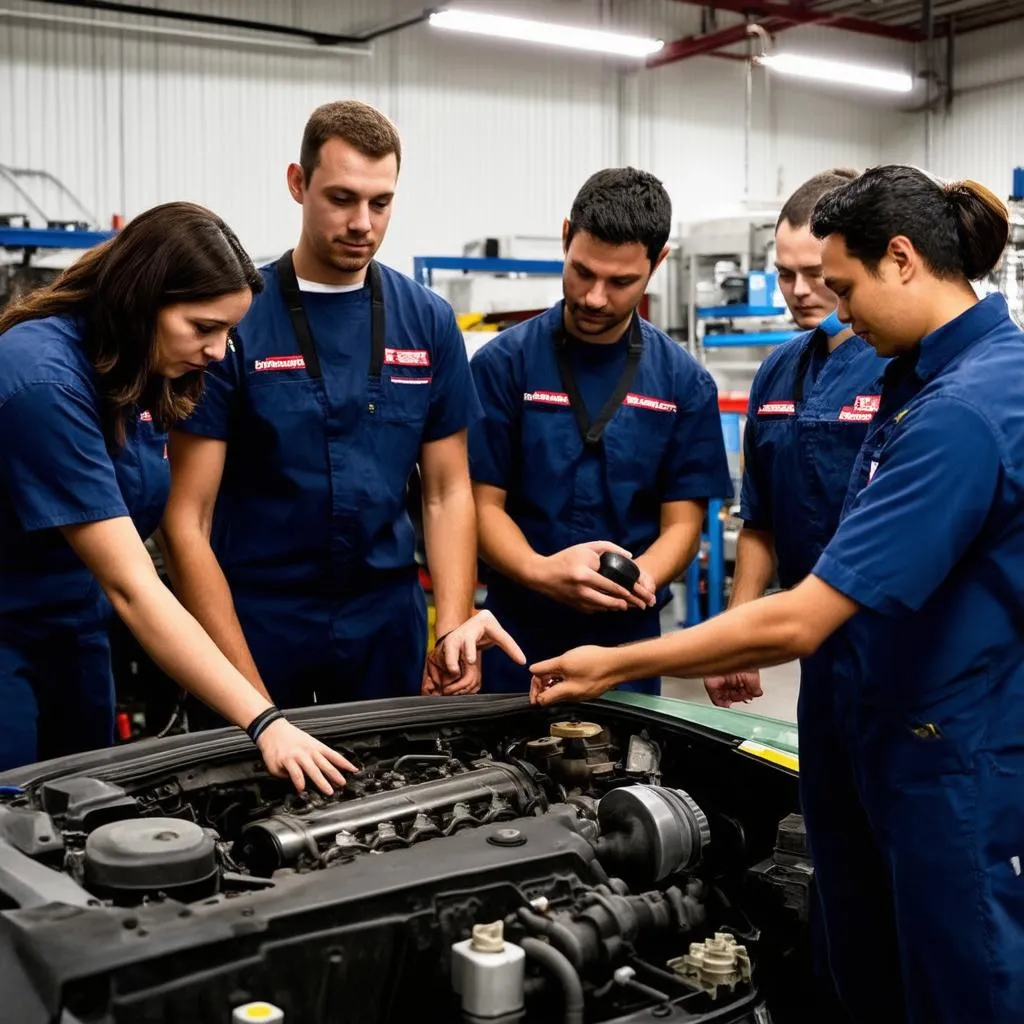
[
  {"x": 91, "y": 369},
  {"x": 912, "y": 778}
]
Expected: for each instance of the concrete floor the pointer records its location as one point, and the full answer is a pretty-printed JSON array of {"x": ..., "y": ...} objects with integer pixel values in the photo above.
[{"x": 780, "y": 684}]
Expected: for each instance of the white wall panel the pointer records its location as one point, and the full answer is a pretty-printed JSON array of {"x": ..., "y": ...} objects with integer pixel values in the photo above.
[
  {"x": 691, "y": 119},
  {"x": 982, "y": 135},
  {"x": 497, "y": 136}
]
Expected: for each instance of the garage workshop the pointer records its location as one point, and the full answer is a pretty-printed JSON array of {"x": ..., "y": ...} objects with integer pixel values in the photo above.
[{"x": 511, "y": 512}]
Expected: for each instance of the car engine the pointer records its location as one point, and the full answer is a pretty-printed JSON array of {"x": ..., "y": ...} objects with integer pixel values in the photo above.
[{"x": 526, "y": 869}]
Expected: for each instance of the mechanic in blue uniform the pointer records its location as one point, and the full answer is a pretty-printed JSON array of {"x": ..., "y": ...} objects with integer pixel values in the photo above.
[
  {"x": 287, "y": 532},
  {"x": 918, "y": 827},
  {"x": 600, "y": 434},
  {"x": 811, "y": 404},
  {"x": 92, "y": 369}
]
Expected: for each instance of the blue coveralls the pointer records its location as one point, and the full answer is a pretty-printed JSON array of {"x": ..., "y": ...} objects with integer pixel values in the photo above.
[
  {"x": 56, "y": 688},
  {"x": 808, "y": 414},
  {"x": 663, "y": 443},
  {"x": 918, "y": 830},
  {"x": 311, "y": 527}
]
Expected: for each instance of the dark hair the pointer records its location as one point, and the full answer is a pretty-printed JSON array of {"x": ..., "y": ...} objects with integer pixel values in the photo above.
[
  {"x": 363, "y": 127},
  {"x": 621, "y": 205},
  {"x": 800, "y": 204},
  {"x": 178, "y": 252},
  {"x": 960, "y": 229}
]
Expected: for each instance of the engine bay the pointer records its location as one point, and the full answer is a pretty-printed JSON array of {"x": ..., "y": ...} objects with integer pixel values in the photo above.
[{"x": 509, "y": 867}]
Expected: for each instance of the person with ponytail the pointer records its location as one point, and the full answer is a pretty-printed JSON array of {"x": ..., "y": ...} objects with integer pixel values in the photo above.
[
  {"x": 917, "y": 832},
  {"x": 94, "y": 369}
]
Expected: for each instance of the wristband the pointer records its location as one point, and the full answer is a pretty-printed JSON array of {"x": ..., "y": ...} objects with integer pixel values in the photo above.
[{"x": 258, "y": 725}]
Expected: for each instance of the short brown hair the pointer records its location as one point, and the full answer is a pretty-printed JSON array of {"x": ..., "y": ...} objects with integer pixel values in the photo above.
[
  {"x": 800, "y": 205},
  {"x": 363, "y": 127}
]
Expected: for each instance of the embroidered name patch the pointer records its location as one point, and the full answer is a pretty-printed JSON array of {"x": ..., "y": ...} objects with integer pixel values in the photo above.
[
  {"x": 863, "y": 409},
  {"x": 646, "y": 402},
  {"x": 546, "y": 397},
  {"x": 295, "y": 362},
  {"x": 777, "y": 409},
  {"x": 631, "y": 400},
  {"x": 406, "y": 357}
]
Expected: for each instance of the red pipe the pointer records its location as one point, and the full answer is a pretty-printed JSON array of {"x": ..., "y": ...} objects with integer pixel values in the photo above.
[
  {"x": 694, "y": 46},
  {"x": 774, "y": 17}
]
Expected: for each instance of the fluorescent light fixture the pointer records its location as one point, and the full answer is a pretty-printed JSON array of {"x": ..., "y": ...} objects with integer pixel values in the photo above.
[
  {"x": 837, "y": 71},
  {"x": 544, "y": 32}
]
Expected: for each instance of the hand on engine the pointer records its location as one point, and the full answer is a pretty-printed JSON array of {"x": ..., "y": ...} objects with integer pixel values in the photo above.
[{"x": 287, "y": 751}]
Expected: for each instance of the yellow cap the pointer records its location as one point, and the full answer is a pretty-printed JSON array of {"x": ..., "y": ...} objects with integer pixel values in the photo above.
[{"x": 265, "y": 1013}]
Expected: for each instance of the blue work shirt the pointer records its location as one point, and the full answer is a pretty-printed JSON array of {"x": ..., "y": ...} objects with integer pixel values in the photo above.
[
  {"x": 313, "y": 499},
  {"x": 929, "y": 681},
  {"x": 663, "y": 444},
  {"x": 56, "y": 469},
  {"x": 799, "y": 450}
]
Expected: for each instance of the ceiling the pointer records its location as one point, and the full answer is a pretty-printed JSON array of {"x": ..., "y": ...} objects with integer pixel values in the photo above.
[{"x": 965, "y": 15}]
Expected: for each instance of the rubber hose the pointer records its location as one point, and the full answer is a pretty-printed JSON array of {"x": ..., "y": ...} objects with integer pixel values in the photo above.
[
  {"x": 558, "y": 965},
  {"x": 556, "y": 932}
]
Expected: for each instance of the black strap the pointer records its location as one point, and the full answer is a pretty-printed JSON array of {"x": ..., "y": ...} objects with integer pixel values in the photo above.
[
  {"x": 803, "y": 366},
  {"x": 592, "y": 432},
  {"x": 292, "y": 295}
]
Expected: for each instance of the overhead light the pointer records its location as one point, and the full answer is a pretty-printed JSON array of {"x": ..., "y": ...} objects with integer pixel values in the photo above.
[
  {"x": 546, "y": 33},
  {"x": 836, "y": 71}
]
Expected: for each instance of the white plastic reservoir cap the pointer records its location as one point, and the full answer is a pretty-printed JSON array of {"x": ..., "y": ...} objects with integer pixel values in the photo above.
[{"x": 257, "y": 1013}]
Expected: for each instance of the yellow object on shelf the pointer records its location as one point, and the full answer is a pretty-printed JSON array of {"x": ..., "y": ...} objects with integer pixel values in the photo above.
[
  {"x": 474, "y": 322},
  {"x": 431, "y": 625}
]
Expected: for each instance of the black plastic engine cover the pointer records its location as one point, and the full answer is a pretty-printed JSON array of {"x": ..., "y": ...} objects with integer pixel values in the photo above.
[{"x": 366, "y": 932}]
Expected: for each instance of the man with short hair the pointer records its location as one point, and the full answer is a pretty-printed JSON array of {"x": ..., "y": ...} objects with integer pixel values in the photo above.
[
  {"x": 810, "y": 406},
  {"x": 286, "y": 528},
  {"x": 600, "y": 434}
]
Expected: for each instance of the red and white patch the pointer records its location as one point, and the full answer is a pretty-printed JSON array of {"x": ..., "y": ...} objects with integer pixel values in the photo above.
[
  {"x": 272, "y": 363},
  {"x": 777, "y": 409},
  {"x": 411, "y": 380},
  {"x": 406, "y": 357},
  {"x": 145, "y": 417},
  {"x": 547, "y": 397},
  {"x": 862, "y": 411},
  {"x": 646, "y": 402}
]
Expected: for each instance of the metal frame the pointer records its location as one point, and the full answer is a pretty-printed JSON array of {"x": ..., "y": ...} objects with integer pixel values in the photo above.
[
  {"x": 714, "y": 537},
  {"x": 423, "y": 267},
  {"x": 30, "y": 239},
  {"x": 775, "y": 17}
]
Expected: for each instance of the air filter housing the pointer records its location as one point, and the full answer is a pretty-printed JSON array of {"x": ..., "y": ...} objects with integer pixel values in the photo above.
[{"x": 126, "y": 861}]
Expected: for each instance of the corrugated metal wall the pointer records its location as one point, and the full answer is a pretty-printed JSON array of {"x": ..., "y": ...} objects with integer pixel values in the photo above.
[
  {"x": 982, "y": 135},
  {"x": 498, "y": 137}
]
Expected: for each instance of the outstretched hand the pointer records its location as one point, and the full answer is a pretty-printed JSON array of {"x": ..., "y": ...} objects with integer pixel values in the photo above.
[{"x": 579, "y": 674}]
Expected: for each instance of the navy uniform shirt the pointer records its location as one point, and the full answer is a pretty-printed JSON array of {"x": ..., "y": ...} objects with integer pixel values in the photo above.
[
  {"x": 799, "y": 450},
  {"x": 928, "y": 684},
  {"x": 56, "y": 469},
  {"x": 932, "y": 538},
  {"x": 663, "y": 444},
  {"x": 313, "y": 497}
]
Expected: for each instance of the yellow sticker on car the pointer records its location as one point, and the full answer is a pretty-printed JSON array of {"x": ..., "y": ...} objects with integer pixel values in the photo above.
[{"x": 779, "y": 757}]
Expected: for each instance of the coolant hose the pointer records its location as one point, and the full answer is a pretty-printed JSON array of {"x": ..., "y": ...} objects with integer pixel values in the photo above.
[{"x": 558, "y": 965}]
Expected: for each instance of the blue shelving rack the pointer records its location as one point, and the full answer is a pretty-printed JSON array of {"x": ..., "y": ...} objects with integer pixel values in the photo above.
[
  {"x": 30, "y": 239},
  {"x": 423, "y": 267}
]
